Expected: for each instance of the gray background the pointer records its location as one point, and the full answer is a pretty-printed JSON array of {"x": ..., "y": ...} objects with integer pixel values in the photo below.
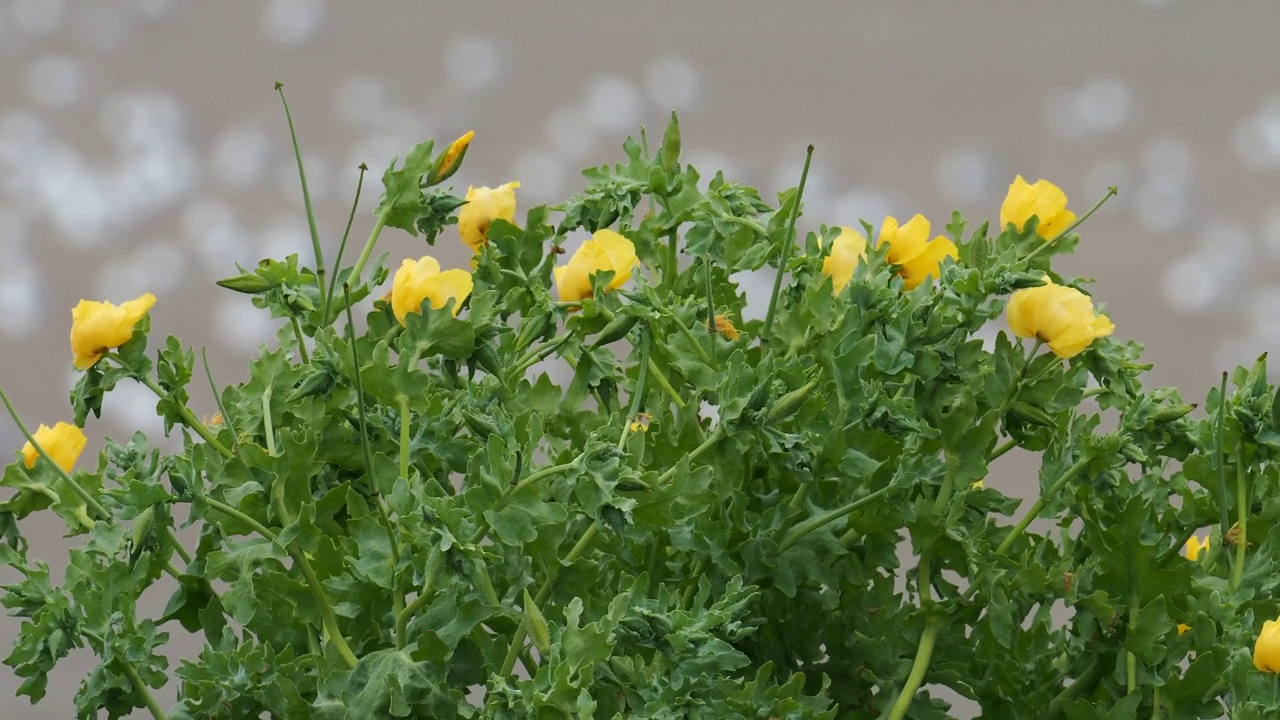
[{"x": 142, "y": 149}]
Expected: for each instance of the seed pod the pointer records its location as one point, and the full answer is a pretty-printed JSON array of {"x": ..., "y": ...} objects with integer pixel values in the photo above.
[
  {"x": 615, "y": 330},
  {"x": 1029, "y": 413},
  {"x": 671, "y": 144},
  {"x": 317, "y": 382},
  {"x": 140, "y": 535},
  {"x": 487, "y": 358},
  {"x": 249, "y": 283},
  {"x": 538, "y": 630},
  {"x": 532, "y": 329},
  {"x": 788, "y": 404},
  {"x": 1169, "y": 413}
]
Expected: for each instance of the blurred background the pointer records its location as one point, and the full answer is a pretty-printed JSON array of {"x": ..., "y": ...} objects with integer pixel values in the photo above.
[{"x": 142, "y": 148}]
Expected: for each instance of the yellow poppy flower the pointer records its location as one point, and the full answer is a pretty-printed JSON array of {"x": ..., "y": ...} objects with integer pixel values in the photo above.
[
  {"x": 97, "y": 327},
  {"x": 606, "y": 250},
  {"x": 1060, "y": 316},
  {"x": 422, "y": 280},
  {"x": 847, "y": 250},
  {"x": 484, "y": 205},
  {"x": 916, "y": 257},
  {"x": 1194, "y": 547},
  {"x": 1042, "y": 199},
  {"x": 63, "y": 442},
  {"x": 1266, "y": 651}
]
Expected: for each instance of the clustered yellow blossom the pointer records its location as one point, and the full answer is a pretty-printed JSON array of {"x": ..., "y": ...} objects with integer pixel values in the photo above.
[
  {"x": 97, "y": 327},
  {"x": 63, "y": 442},
  {"x": 484, "y": 205},
  {"x": 605, "y": 251},
  {"x": 421, "y": 280},
  {"x": 1060, "y": 316}
]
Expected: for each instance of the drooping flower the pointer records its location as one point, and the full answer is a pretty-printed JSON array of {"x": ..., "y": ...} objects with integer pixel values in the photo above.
[
  {"x": 1194, "y": 547},
  {"x": 1266, "y": 651},
  {"x": 421, "y": 280},
  {"x": 725, "y": 327},
  {"x": 1060, "y": 316},
  {"x": 916, "y": 256},
  {"x": 97, "y": 327},
  {"x": 484, "y": 205},
  {"x": 606, "y": 250},
  {"x": 1042, "y": 199},
  {"x": 847, "y": 250},
  {"x": 63, "y": 442}
]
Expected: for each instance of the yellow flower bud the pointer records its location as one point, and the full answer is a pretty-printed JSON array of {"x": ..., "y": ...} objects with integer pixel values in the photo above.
[
  {"x": 1061, "y": 316},
  {"x": 97, "y": 327},
  {"x": 847, "y": 250},
  {"x": 451, "y": 159},
  {"x": 1044, "y": 200},
  {"x": 917, "y": 258},
  {"x": 484, "y": 205},
  {"x": 422, "y": 280},
  {"x": 606, "y": 250},
  {"x": 1194, "y": 547},
  {"x": 63, "y": 442},
  {"x": 1266, "y": 652},
  {"x": 1183, "y": 627}
]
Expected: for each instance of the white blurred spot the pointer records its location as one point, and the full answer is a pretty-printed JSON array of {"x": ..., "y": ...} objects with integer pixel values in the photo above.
[
  {"x": 570, "y": 131},
  {"x": 133, "y": 406},
  {"x": 21, "y": 296},
  {"x": 540, "y": 174},
  {"x": 672, "y": 83},
  {"x": 1163, "y": 204},
  {"x": 141, "y": 120},
  {"x": 1169, "y": 156},
  {"x": 241, "y": 156},
  {"x": 54, "y": 81},
  {"x": 212, "y": 230},
  {"x": 151, "y": 8},
  {"x": 757, "y": 285},
  {"x": 861, "y": 204},
  {"x": 1058, "y": 113},
  {"x": 471, "y": 62},
  {"x": 360, "y": 99},
  {"x": 285, "y": 236},
  {"x": 239, "y": 325},
  {"x": 1257, "y": 137},
  {"x": 613, "y": 103},
  {"x": 292, "y": 21},
  {"x": 968, "y": 176},
  {"x": 1264, "y": 309},
  {"x": 38, "y": 17},
  {"x": 157, "y": 267},
  {"x": 1188, "y": 287},
  {"x": 1104, "y": 104}
]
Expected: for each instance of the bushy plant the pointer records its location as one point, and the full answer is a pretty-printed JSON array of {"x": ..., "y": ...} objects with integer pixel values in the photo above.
[{"x": 405, "y": 514}]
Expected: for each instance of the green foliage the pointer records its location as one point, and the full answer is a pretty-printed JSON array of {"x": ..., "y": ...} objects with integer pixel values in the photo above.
[{"x": 621, "y": 509}]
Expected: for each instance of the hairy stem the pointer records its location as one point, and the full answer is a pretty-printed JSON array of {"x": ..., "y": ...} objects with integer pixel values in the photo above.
[
  {"x": 1042, "y": 501},
  {"x": 141, "y": 688},
  {"x": 924, "y": 654},
  {"x": 342, "y": 248},
  {"x": 788, "y": 243},
  {"x": 306, "y": 198}
]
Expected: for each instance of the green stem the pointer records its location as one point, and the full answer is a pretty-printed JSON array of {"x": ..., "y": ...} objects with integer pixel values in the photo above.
[
  {"x": 665, "y": 384},
  {"x": 217, "y": 396},
  {"x": 306, "y": 197},
  {"x": 1042, "y": 501},
  {"x": 1242, "y": 518},
  {"x": 1219, "y": 458},
  {"x": 711, "y": 307},
  {"x": 313, "y": 583},
  {"x": 517, "y": 640},
  {"x": 482, "y": 525},
  {"x": 798, "y": 532},
  {"x": 402, "y": 619},
  {"x": 302, "y": 346},
  {"x": 354, "y": 277},
  {"x": 924, "y": 654},
  {"x": 1017, "y": 379},
  {"x": 695, "y": 572},
  {"x": 177, "y": 548},
  {"x": 188, "y": 418},
  {"x": 342, "y": 248},
  {"x": 141, "y": 688},
  {"x": 76, "y": 488},
  {"x": 686, "y": 332},
  {"x": 637, "y": 395},
  {"x": 1091, "y": 392},
  {"x": 747, "y": 223},
  {"x": 1157, "y": 704},
  {"x": 784, "y": 253},
  {"x": 694, "y": 454},
  {"x": 404, "y": 435},
  {"x": 1083, "y": 684},
  {"x": 268, "y": 428},
  {"x": 669, "y": 267},
  {"x": 1002, "y": 448},
  {"x": 1050, "y": 243}
]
